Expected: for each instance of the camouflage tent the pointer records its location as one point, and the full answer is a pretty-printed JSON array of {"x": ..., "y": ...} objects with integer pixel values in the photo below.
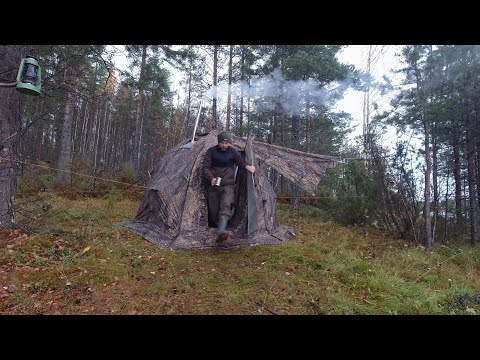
[{"x": 173, "y": 212}]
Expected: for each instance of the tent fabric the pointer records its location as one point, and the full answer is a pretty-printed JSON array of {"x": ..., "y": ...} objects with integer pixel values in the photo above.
[{"x": 173, "y": 212}]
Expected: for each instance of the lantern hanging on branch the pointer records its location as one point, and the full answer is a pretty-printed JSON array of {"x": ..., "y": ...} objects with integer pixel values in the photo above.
[{"x": 29, "y": 76}]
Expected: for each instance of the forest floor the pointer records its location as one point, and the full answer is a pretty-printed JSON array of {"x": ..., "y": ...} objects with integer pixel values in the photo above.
[{"x": 74, "y": 257}]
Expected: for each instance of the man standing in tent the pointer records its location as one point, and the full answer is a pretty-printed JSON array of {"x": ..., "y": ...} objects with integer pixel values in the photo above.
[{"x": 219, "y": 171}]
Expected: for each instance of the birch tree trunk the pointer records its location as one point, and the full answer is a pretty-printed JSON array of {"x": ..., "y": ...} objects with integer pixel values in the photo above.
[
  {"x": 473, "y": 208},
  {"x": 366, "y": 110},
  {"x": 229, "y": 98},
  {"x": 139, "y": 114},
  {"x": 214, "y": 104},
  {"x": 242, "y": 82},
  {"x": 428, "y": 171}
]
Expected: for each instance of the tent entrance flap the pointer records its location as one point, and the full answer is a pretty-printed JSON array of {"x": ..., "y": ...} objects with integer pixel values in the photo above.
[{"x": 252, "y": 222}]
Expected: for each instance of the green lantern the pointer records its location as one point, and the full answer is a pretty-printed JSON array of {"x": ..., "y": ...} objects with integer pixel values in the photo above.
[{"x": 29, "y": 76}]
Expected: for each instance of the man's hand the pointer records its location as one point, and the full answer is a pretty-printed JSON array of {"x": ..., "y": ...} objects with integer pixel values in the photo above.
[
  {"x": 250, "y": 169},
  {"x": 212, "y": 182}
]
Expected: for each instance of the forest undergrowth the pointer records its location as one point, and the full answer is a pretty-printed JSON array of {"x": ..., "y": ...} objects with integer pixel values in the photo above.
[{"x": 72, "y": 256}]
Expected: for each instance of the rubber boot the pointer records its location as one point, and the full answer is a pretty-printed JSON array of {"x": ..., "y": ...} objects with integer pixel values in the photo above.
[{"x": 222, "y": 235}]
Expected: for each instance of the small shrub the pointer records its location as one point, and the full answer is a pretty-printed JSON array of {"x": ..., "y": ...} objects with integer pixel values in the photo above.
[{"x": 112, "y": 198}]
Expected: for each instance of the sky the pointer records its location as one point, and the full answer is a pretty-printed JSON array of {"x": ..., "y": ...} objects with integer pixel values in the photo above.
[{"x": 385, "y": 64}]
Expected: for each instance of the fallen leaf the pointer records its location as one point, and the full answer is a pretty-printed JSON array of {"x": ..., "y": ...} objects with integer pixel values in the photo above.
[
  {"x": 470, "y": 311},
  {"x": 83, "y": 251}
]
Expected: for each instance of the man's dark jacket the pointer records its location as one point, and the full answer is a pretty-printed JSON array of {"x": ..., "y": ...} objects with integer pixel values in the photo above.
[{"x": 218, "y": 163}]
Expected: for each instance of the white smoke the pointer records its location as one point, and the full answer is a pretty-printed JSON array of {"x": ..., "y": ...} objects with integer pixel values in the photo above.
[{"x": 292, "y": 96}]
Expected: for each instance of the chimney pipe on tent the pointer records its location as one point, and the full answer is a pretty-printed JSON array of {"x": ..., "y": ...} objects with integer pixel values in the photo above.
[{"x": 190, "y": 144}]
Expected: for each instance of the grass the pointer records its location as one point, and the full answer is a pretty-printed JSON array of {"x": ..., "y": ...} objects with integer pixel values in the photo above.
[{"x": 78, "y": 260}]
